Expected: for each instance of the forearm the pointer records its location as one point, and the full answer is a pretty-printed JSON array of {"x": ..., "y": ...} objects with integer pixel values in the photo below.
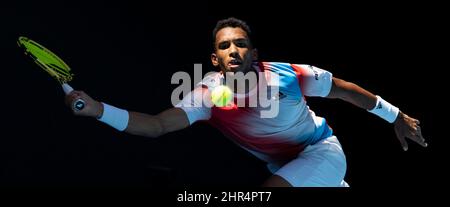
[
  {"x": 358, "y": 96},
  {"x": 131, "y": 122}
]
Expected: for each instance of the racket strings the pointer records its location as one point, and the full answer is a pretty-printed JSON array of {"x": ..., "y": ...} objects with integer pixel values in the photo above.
[
  {"x": 58, "y": 75},
  {"x": 64, "y": 75},
  {"x": 48, "y": 61}
]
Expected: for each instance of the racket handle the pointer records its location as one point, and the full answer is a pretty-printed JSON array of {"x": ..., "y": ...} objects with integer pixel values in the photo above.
[{"x": 79, "y": 103}]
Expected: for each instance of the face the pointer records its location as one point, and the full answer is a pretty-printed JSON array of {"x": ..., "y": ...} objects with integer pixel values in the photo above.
[{"x": 233, "y": 52}]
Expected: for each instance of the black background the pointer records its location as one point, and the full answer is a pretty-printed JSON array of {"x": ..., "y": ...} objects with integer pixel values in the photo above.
[{"x": 126, "y": 54}]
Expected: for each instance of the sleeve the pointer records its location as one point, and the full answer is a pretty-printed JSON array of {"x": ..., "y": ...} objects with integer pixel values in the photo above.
[
  {"x": 313, "y": 80},
  {"x": 196, "y": 104}
]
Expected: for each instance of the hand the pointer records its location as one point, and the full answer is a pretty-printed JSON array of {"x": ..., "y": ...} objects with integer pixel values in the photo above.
[
  {"x": 92, "y": 108},
  {"x": 408, "y": 127}
]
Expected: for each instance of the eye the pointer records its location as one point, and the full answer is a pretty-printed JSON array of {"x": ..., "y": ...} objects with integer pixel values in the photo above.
[
  {"x": 242, "y": 43},
  {"x": 224, "y": 45}
]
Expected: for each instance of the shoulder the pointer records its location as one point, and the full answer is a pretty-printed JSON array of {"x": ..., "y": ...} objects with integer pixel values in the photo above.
[
  {"x": 285, "y": 68},
  {"x": 275, "y": 66}
]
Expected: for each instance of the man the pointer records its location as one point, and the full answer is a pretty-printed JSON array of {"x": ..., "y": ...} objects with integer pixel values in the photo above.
[{"x": 298, "y": 146}]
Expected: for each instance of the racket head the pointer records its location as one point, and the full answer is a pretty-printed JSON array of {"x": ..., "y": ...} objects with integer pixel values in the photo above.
[{"x": 46, "y": 59}]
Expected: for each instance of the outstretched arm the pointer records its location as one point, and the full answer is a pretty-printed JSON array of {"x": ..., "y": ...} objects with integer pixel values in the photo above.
[
  {"x": 170, "y": 120},
  {"x": 131, "y": 122},
  {"x": 405, "y": 126}
]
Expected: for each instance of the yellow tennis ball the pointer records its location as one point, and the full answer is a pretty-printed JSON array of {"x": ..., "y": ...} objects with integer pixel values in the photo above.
[{"x": 221, "y": 96}]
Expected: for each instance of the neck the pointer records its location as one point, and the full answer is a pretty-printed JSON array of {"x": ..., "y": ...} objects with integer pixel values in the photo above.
[{"x": 248, "y": 82}]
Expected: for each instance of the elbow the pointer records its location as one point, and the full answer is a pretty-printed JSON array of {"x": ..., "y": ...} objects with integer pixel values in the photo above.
[
  {"x": 158, "y": 129},
  {"x": 145, "y": 125},
  {"x": 341, "y": 89},
  {"x": 338, "y": 89},
  {"x": 153, "y": 133},
  {"x": 151, "y": 127},
  {"x": 157, "y": 134}
]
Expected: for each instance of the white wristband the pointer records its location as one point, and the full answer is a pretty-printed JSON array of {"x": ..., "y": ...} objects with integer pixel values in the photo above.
[
  {"x": 115, "y": 117},
  {"x": 385, "y": 110}
]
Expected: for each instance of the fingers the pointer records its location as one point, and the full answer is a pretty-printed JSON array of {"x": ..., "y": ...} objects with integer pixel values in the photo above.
[
  {"x": 72, "y": 97},
  {"x": 415, "y": 133},
  {"x": 416, "y": 136},
  {"x": 409, "y": 128},
  {"x": 425, "y": 144},
  {"x": 401, "y": 138}
]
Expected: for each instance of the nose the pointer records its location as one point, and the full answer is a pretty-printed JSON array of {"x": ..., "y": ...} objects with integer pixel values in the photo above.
[{"x": 234, "y": 51}]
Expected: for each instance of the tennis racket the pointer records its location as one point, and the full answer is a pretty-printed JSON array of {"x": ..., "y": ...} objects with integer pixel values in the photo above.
[{"x": 52, "y": 64}]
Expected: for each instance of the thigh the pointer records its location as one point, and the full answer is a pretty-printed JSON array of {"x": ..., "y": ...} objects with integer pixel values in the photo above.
[{"x": 320, "y": 165}]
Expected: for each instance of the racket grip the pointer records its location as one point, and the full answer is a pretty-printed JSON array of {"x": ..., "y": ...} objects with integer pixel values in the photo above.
[
  {"x": 77, "y": 104},
  {"x": 67, "y": 88}
]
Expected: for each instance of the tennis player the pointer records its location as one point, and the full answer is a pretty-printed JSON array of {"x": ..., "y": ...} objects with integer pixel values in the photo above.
[{"x": 298, "y": 146}]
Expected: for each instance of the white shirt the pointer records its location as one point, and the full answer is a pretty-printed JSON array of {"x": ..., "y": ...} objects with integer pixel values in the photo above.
[{"x": 281, "y": 137}]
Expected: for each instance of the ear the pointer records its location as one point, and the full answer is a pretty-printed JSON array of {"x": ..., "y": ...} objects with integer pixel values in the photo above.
[
  {"x": 255, "y": 54},
  {"x": 214, "y": 59}
]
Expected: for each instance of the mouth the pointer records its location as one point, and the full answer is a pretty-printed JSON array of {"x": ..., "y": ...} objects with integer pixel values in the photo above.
[{"x": 234, "y": 63}]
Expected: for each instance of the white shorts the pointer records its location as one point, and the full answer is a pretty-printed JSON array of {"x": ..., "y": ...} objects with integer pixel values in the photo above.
[{"x": 319, "y": 165}]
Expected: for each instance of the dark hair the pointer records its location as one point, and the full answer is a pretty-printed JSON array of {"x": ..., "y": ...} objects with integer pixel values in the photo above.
[{"x": 231, "y": 22}]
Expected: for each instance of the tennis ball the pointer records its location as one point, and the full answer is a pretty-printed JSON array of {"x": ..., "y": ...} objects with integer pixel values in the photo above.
[{"x": 221, "y": 96}]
